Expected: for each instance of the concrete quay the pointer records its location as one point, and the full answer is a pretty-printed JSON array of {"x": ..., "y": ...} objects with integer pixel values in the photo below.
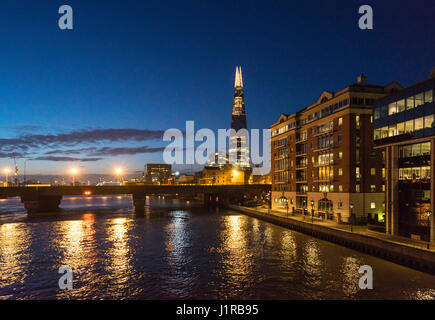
[{"x": 400, "y": 251}]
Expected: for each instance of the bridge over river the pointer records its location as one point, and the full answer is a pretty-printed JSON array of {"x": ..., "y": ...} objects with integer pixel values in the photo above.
[{"x": 46, "y": 199}]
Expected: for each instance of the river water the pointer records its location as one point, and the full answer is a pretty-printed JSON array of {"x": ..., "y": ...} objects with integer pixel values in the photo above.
[{"x": 177, "y": 251}]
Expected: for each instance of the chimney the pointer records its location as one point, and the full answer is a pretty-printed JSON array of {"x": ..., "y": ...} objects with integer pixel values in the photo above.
[
  {"x": 432, "y": 74},
  {"x": 362, "y": 79}
]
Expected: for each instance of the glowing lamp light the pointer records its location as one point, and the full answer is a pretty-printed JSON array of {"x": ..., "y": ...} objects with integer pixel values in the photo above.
[
  {"x": 87, "y": 193},
  {"x": 235, "y": 172}
]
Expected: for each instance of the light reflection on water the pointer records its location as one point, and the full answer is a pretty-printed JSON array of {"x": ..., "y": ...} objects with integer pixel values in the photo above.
[
  {"x": 182, "y": 254},
  {"x": 14, "y": 251}
]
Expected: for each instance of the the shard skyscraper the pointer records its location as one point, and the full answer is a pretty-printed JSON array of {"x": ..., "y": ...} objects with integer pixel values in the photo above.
[{"x": 239, "y": 142}]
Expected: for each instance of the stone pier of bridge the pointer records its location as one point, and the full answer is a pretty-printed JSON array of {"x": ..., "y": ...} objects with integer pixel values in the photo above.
[
  {"x": 139, "y": 204},
  {"x": 220, "y": 200},
  {"x": 38, "y": 204}
]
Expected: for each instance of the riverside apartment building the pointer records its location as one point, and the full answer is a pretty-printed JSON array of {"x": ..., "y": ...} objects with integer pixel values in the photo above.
[{"x": 323, "y": 161}]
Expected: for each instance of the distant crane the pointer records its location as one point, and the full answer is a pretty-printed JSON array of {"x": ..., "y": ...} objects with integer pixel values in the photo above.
[
  {"x": 25, "y": 177},
  {"x": 16, "y": 180}
]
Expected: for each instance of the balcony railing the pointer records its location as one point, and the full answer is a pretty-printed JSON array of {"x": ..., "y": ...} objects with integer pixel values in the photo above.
[
  {"x": 317, "y": 164},
  {"x": 316, "y": 149},
  {"x": 301, "y": 152},
  {"x": 325, "y": 131},
  {"x": 393, "y": 139},
  {"x": 301, "y": 192},
  {"x": 331, "y": 179},
  {"x": 301, "y": 139}
]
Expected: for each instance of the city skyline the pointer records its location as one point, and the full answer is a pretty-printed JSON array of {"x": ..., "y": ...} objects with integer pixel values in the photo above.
[
  {"x": 206, "y": 158},
  {"x": 81, "y": 94}
]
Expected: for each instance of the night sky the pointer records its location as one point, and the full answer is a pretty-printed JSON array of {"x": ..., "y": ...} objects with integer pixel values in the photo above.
[{"x": 104, "y": 91}]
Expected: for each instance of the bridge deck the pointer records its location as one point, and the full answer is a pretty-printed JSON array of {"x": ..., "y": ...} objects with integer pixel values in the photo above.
[{"x": 141, "y": 189}]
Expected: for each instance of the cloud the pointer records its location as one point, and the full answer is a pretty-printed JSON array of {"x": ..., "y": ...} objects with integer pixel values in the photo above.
[
  {"x": 107, "y": 151},
  {"x": 65, "y": 159},
  {"x": 71, "y": 151},
  {"x": 34, "y": 141},
  {"x": 8, "y": 154},
  {"x": 26, "y": 128}
]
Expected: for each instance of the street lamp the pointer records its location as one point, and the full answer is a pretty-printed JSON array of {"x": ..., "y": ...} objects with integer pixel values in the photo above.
[
  {"x": 351, "y": 216},
  {"x": 118, "y": 172},
  {"x": 286, "y": 206},
  {"x": 7, "y": 171},
  {"x": 428, "y": 213},
  {"x": 284, "y": 200},
  {"x": 73, "y": 172},
  {"x": 312, "y": 211}
]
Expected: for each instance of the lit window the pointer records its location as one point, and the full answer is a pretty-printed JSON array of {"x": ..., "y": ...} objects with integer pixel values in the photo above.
[
  {"x": 401, "y": 128},
  {"x": 418, "y": 124},
  {"x": 372, "y": 205},
  {"x": 340, "y": 155},
  {"x": 410, "y": 102},
  {"x": 428, "y": 121},
  {"x": 409, "y": 126},
  {"x": 373, "y": 188},
  {"x": 428, "y": 96},
  {"x": 340, "y": 171},
  {"x": 401, "y": 105},
  {"x": 340, "y": 188},
  {"x": 357, "y": 188},
  {"x": 373, "y": 171},
  {"x": 419, "y": 99},
  {"x": 340, "y": 121},
  {"x": 392, "y": 109}
]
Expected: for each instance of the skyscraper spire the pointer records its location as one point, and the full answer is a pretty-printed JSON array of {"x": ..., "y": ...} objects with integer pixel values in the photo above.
[
  {"x": 238, "y": 83},
  {"x": 240, "y": 76}
]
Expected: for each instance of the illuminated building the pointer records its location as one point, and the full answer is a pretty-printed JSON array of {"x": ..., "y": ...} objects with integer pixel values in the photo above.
[
  {"x": 323, "y": 158},
  {"x": 239, "y": 141},
  {"x": 404, "y": 131},
  {"x": 218, "y": 159},
  {"x": 157, "y": 173},
  {"x": 227, "y": 174},
  {"x": 260, "y": 179}
]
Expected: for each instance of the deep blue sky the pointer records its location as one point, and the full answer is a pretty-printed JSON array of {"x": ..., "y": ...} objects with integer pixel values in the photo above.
[{"x": 155, "y": 64}]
